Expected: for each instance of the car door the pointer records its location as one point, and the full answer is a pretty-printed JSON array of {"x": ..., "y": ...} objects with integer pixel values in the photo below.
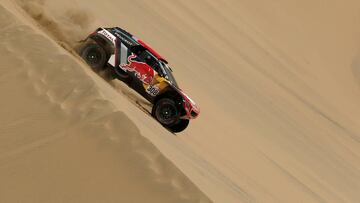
[{"x": 139, "y": 66}]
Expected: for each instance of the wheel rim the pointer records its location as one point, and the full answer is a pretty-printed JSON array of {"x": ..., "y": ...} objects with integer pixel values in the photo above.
[
  {"x": 93, "y": 57},
  {"x": 167, "y": 114}
]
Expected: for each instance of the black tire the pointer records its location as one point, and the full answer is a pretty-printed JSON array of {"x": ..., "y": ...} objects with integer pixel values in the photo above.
[
  {"x": 123, "y": 76},
  {"x": 108, "y": 74},
  {"x": 180, "y": 126},
  {"x": 95, "y": 56},
  {"x": 166, "y": 112}
]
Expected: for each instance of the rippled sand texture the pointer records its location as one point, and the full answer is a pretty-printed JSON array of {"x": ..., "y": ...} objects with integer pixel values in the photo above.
[
  {"x": 62, "y": 140},
  {"x": 278, "y": 84}
]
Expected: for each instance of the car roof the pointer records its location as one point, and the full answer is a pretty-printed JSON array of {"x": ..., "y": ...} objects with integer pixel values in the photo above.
[
  {"x": 156, "y": 54},
  {"x": 142, "y": 43}
]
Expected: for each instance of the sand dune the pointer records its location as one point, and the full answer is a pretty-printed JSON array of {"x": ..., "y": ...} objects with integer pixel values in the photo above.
[
  {"x": 62, "y": 140},
  {"x": 278, "y": 84}
]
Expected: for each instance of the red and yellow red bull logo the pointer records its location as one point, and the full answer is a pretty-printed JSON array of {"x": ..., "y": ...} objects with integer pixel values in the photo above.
[{"x": 141, "y": 70}]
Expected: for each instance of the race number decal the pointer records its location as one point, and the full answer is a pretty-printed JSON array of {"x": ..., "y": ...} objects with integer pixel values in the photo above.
[{"x": 153, "y": 90}]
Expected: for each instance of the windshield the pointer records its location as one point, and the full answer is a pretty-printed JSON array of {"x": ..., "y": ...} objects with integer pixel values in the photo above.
[
  {"x": 147, "y": 57},
  {"x": 167, "y": 72},
  {"x": 159, "y": 66}
]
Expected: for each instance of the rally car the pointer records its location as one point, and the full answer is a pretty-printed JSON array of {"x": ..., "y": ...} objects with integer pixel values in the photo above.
[{"x": 123, "y": 56}]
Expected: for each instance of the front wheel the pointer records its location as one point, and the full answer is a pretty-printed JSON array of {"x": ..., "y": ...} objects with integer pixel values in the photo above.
[
  {"x": 181, "y": 125},
  {"x": 167, "y": 113}
]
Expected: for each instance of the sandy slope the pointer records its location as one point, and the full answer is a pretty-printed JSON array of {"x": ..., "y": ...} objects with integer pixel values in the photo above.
[
  {"x": 278, "y": 84},
  {"x": 62, "y": 140}
]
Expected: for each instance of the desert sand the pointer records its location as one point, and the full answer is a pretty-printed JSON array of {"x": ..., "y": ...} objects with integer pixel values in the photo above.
[{"x": 278, "y": 84}]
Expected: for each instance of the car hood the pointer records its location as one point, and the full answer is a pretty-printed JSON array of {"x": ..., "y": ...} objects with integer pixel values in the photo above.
[{"x": 191, "y": 108}]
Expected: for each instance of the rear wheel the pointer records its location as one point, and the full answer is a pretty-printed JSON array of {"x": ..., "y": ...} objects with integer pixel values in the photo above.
[{"x": 95, "y": 56}]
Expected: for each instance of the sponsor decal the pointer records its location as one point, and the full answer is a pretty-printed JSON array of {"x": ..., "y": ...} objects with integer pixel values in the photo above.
[
  {"x": 124, "y": 40},
  {"x": 141, "y": 70},
  {"x": 108, "y": 35}
]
